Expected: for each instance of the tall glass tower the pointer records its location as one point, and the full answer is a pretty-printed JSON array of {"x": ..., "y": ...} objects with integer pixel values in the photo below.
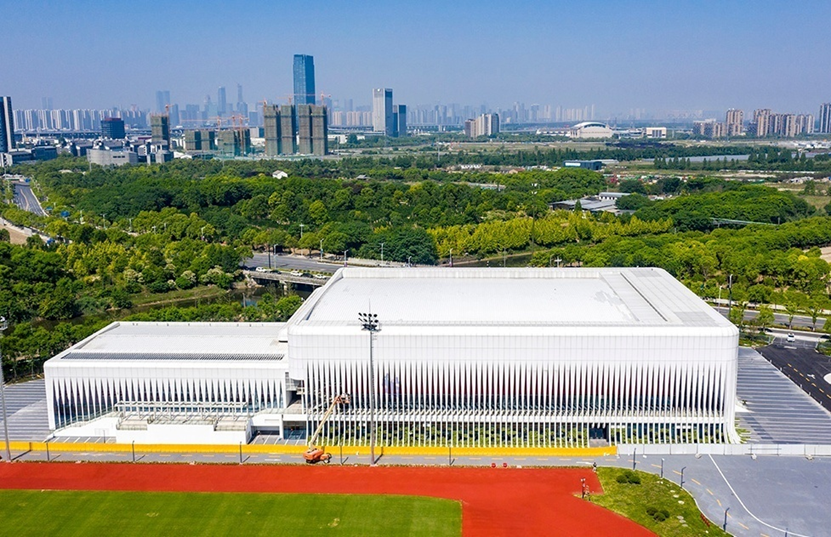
[
  {"x": 6, "y": 125},
  {"x": 304, "y": 79}
]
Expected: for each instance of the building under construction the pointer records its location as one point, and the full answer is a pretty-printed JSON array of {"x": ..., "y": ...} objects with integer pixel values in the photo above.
[{"x": 289, "y": 130}]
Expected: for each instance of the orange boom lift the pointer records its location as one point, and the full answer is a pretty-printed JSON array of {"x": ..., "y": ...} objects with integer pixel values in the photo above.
[{"x": 314, "y": 453}]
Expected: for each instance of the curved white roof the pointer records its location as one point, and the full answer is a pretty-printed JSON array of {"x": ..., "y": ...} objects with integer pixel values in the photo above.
[{"x": 590, "y": 124}]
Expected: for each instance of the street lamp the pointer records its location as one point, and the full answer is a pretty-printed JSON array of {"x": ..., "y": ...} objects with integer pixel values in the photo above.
[
  {"x": 451, "y": 257},
  {"x": 662, "y": 468},
  {"x": 321, "y": 249},
  {"x": 382, "y": 253},
  {"x": 3, "y": 326},
  {"x": 369, "y": 322},
  {"x": 681, "y": 484},
  {"x": 344, "y": 257},
  {"x": 409, "y": 261},
  {"x": 301, "y": 230},
  {"x": 724, "y": 527}
]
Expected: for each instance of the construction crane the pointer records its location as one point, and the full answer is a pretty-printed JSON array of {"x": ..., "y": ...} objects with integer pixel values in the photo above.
[{"x": 314, "y": 453}]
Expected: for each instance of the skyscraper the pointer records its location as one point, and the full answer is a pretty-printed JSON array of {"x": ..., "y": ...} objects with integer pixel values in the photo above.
[
  {"x": 825, "y": 118},
  {"x": 162, "y": 100},
  {"x": 221, "y": 101},
  {"x": 399, "y": 113},
  {"x": 242, "y": 106},
  {"x": 304, "y": 79},
  {"x": 382, "y": 118},
  {"x": 735, "y": 122},
  {"x": 6, "y": 125}
]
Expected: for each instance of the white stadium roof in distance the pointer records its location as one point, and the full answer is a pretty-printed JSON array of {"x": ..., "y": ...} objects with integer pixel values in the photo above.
[
  {"x": 622, "y": 297},
  {"x": 182, "y": 341}
]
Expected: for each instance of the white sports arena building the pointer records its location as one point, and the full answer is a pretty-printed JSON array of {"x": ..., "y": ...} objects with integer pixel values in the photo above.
[
  {"x": 590, "y": 130},
  {"x": 465, "y": 357}
]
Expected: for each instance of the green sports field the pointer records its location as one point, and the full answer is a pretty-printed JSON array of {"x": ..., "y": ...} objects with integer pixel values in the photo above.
[{"x": 26, "y": 512}]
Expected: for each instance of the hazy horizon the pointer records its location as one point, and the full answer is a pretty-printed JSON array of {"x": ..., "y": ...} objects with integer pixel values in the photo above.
[{"x": 652, "y": 55}]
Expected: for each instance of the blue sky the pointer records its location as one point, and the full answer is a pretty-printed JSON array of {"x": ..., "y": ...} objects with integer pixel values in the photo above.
[{"x": 617, "y": 55}]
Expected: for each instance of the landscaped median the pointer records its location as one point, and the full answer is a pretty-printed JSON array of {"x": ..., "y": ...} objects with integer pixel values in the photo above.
[
  {"x": 654, "y": 502},
  {"x": 284, "y": 449}
]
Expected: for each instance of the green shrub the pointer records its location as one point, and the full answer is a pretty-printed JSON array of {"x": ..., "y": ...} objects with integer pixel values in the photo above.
[
  {"x": 628, "y": 476},
  {"x": 658, "y": 514}
]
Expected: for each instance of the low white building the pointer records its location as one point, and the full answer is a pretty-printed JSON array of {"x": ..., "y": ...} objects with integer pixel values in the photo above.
[
  {"x": 171, "y": 382},
  {"x": 112, "y": 157},
  {"x": 468, "y": 357}
]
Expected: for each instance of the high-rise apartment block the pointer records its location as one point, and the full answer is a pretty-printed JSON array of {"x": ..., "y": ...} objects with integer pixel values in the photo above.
[
  {"x": 785, "y": 125},
  {"x": 304, "y": 129},
  {"x": 160, "y": 128},
  {"x": 292, "y": 129},
  {"x": 320, "y": 130},
  {"x": 761, "y": 118},
  {"x": 113, "y": 128},
  {"x": 484, "y": 125},
  {"x": 825, "y": 118},
  {"x": 710, "y": 128},
  {"x": 735, "y": 122},
  {"x": 304, "y": 79},
  {"x": 382, "y": 114},
  {"x": 6, "y": 125},
  {"x": 288, "y": 130},
  {"x": 271, "y": 129}
]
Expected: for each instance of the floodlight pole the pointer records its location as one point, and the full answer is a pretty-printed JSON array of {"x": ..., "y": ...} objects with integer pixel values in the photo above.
[
  {"x": 369, "y": 322},
  {"x": 3, "y": 326}
]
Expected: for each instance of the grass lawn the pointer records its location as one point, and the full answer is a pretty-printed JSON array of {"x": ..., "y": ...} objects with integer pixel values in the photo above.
[
  {"x": 667, "y": 499},
  {"x": 26, "y": 512}
]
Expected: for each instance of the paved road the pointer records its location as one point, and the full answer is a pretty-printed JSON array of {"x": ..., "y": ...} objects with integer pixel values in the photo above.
[
  {"x": 289, "y": 262},
  {"x": 799, "y": 321},
  {"x": 805, "y": 367},
  {"x": 26, "y": 199}
]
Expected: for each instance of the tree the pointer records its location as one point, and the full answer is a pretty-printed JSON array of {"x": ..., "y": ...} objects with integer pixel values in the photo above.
[
  {"x": 737, "y": 314},
  {"x": 814, "y": 308},
  {"x": 791, "y": 309},
  {"x": 764, "y": 318}
]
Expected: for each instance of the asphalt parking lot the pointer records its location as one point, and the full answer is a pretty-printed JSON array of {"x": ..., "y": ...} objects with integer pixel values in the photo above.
[{"x": 807, "y": 368}]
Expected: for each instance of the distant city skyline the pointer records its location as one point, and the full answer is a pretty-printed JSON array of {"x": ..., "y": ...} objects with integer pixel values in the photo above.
[{"x": 649, "y": 56}]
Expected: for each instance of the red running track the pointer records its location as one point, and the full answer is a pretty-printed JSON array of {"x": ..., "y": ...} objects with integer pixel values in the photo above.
[{"x": 495, "y": 501}]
